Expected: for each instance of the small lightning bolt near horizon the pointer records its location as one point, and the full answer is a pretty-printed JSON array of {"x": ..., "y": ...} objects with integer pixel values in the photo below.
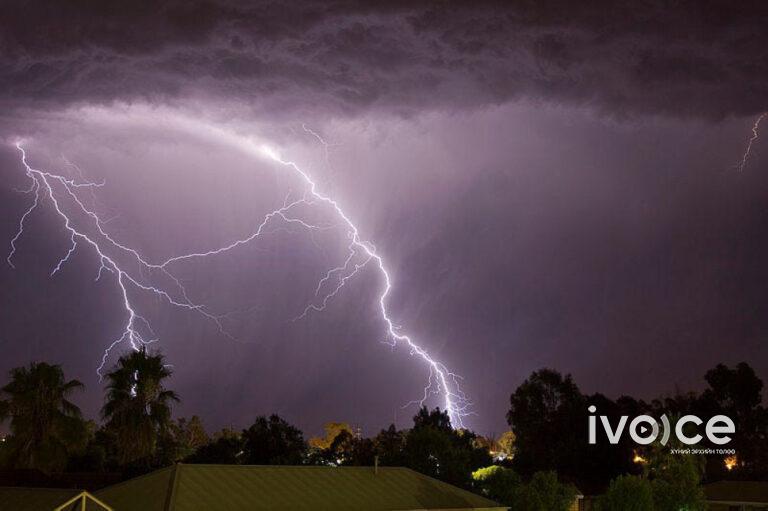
[
  {"x": 134, "y": 274},
  {"x": 755, "y": 135}
]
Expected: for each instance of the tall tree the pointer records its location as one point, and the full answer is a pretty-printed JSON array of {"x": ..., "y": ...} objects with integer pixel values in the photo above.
[
  {"x": 737, "y": 393},
  {"x": 436, "y": 419},
  {"x": 349, "y": 449},
  {"x": 603, "y": 461},
  {"x": 138, "y": 406},
  {"x": 675, "y": 479},
  {"x": 223, "y": 449},
  {"x": 433, "y": 448},
  {"x": 388, "y": 445},
  {"x": 738, "y": 390},
  {"x": 45, "y": 424},
  {"x": 188, "y": 435},
  {"x": 273, "y": 441},
  {"x": 548, "y": 415}
]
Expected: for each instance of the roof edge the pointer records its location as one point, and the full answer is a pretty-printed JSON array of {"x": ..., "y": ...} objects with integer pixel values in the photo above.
[
  {"x": 173, "y": 483},
  {"x": 132, "y": 479},
  {"x": 493, "y": 503}
]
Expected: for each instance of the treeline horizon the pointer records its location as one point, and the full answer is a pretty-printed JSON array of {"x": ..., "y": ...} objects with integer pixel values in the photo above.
[{"x": 544, "y": 453}]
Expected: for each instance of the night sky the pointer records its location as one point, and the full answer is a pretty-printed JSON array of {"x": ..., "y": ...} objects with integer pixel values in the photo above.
[{"x": 550, "y": 184}]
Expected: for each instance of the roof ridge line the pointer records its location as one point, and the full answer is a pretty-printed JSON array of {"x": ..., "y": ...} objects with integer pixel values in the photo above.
[
  {"x": 173, "y": 483},
  {"x": 133, "y": 479}
]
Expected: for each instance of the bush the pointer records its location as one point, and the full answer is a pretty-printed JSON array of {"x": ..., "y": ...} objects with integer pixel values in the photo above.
[
  {"x": 544, "y": 493},
  {"x": 675, "y": 479},
  {"x": 676, "y": 488},
  {"x": 497, "y": 483},
  {"x": 627, "y": 493}
]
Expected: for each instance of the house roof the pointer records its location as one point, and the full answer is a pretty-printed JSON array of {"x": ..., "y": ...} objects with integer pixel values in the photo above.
[
  {"x": 752, "y": 492},
  {"x": 295, "y": 488},
  {"x": 34, "y": 499}
]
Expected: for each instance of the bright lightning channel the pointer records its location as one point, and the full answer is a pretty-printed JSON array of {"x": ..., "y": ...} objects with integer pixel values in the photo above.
[
  {"x": 136, "y": 330},
  {"x": 134, "y": 276},
  {"x": 755, "y": 134}
]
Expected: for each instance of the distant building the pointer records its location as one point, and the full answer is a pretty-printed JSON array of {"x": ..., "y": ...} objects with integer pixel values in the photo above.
[
  {"x": 737, "y": 495},
  {"x": 257, "y": 488}
]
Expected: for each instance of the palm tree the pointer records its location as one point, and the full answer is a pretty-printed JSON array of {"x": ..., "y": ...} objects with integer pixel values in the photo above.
[
  {"x": 138, "y": 407},
  {"x": 44, "y": 423}
]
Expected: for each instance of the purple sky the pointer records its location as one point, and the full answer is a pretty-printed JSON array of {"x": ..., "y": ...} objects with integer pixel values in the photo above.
[{"x": 548, "y": 187}]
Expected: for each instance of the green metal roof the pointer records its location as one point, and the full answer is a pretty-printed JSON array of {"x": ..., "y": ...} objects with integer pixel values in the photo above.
[
  {"x": 753, "y": 492},
  {"x": 150, "y": 492},
  {"x": 33, "y": 499},
  {"x": 254, "y": 488}
]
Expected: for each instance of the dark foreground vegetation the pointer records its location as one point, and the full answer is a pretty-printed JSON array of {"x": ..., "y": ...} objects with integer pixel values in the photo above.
[{"x": 540, "y": 464}]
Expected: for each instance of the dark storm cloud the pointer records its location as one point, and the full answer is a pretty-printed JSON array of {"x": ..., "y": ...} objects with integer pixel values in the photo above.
[{"x": 686, "y": 58}]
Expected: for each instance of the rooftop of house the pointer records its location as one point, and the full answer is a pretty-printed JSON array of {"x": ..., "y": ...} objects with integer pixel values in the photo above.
[
  {"x": 753, "y": 492},
  {"x": 253, "y": 488}
]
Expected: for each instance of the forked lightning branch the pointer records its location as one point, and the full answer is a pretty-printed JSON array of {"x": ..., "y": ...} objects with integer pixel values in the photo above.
[{"x": 134, "y": 274}]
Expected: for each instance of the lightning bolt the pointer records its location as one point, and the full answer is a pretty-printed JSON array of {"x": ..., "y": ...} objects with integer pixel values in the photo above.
[
  {"x": 748, "y": 150},
  {"x": 134, "y": 274},
  {"x": 55, "y": 188},
  {"x": 441, "y": 380}
]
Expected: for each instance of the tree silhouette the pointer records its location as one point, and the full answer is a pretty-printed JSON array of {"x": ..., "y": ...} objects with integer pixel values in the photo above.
[
  {"x": 138, "y": 406},
  {"x": 388, "y": 445},
  {"x": 433, "y": 419},
  {"x": 187, "y": 436},
  {"x": 45, "y": 425},
  {"x": 273, "y": 441},
  {"x": 544, "y": 492},
  {"x": 432, "y": 447},
  {"x": 627, "y": 493},
  {"x": 226, "y": 450},
  {"x": 737, "y": 393},
  {"x": 548, "y": 416}
]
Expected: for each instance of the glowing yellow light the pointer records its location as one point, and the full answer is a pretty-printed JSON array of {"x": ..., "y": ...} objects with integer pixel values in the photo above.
[
  {"x": 639, "y": 459},
  {"x": 731, "y": 462}
]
